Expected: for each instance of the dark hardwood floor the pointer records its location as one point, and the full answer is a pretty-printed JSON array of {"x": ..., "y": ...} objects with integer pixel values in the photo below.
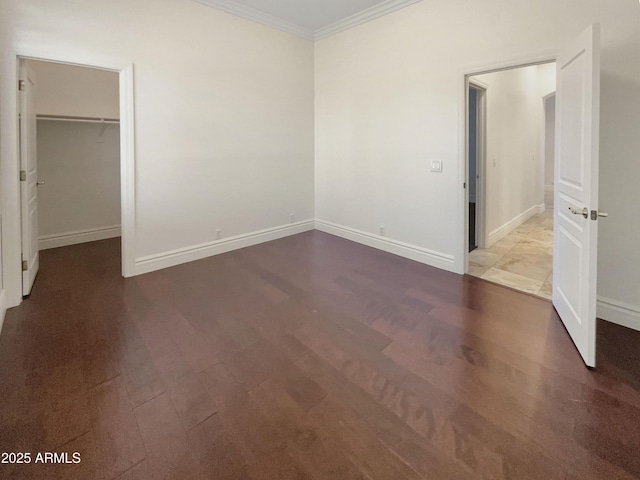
[{"x": 308, "y": 357}]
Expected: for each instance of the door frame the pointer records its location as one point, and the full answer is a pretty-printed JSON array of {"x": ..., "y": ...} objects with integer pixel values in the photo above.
[
  {"x": 481, "y": 161},
  {"x": 10, "y": 182},
  {"x": 543, "y": 146},
  {"x": 528, "y": 60}
]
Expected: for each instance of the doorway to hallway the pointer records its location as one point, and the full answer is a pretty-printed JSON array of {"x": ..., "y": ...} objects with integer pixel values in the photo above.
[{"x": 511, "y": 171}]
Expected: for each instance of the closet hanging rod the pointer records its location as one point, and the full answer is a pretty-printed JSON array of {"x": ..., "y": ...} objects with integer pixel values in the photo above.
[{"x": 64, "y": 118}]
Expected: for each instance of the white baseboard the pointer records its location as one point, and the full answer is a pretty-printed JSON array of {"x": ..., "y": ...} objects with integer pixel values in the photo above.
[
  {"x": 413, "y": 252},
  {"x": 619, "y": 313},
  {"x": 3, "y": 308},
  {"x": 152, "y": 263},
  {"x": 514, "y": 223},
  {"x": 81, "y": 236}
]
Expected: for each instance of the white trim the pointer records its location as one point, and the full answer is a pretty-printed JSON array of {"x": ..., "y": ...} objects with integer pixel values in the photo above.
[
  {"x": 474, "y": 82},
  {"x": 9, "y": 189},
  {"x": 514, "y": 223},
  {"x": 379, "y": 10},
  {"x": 258, "y": 16},
  {"x": 172, "y": 258},
  {"x": 127, "y": 171},
  {"x": 3, "y": 308},
  {"x": 80, "y": 236},
  {"x": 619, "y": 313},
  {"x": 413, "y": 252},
  {"x": 548, "y": 96},
  {"x": 481, "y": 164},
  {"x": 536, "y": 58}
]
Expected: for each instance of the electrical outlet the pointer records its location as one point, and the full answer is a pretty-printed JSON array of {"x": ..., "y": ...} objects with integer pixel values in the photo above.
[
  {"x": 436, "y": 166},
  {"x": 382, "y": 231},
  {"x": 292, "y": 218},
  {"x": 218, "y": 234}
]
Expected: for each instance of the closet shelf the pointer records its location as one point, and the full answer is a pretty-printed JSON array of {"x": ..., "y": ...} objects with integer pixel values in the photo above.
[{"x": 63, "y": 118}]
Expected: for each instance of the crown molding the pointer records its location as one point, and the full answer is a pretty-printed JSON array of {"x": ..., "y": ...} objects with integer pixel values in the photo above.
[
  {"x": 259, "y": 17},
  {"x": 384, "y": 8}
]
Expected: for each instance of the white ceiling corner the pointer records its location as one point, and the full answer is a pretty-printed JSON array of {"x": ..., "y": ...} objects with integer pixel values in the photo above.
[
  {"x": 371, "y": 13},
  {"x": 255, "y": 15},
  {"x": 310, "y": 19}
]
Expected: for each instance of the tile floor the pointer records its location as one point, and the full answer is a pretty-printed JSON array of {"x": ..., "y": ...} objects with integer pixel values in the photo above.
[{"x": 522, "y": 260}]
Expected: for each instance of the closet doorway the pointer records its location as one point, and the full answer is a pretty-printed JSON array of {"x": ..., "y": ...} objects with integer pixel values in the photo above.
[{"x": 70, "y": 159}]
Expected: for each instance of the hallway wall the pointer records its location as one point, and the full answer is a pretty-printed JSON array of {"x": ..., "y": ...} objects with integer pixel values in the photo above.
[{"x": 515, "y": 163}]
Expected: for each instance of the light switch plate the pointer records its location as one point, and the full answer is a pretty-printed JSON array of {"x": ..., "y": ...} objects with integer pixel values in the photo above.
[{"x": 436, "y": 166}]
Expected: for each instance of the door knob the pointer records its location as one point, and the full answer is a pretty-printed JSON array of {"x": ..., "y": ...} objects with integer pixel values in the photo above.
[
  {"x": 584, "y": 212},
  {"x": 39, "y": 183},
  {"x": 595, "y": 214}
]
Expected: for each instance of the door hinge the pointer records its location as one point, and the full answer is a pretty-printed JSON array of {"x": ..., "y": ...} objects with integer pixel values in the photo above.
[
  {"x": 23, "y": 176},
  {"x": 24, "y": 266},
  {"x": 21, "y": 85},
  {"x": 464, "y": 185}
]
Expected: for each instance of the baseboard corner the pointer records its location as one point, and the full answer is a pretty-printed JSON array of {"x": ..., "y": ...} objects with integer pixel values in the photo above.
[
  {"x": 172, "y": 258},
  {"x": 508, "y": 227},
  {"x": 432, "y": 258}
]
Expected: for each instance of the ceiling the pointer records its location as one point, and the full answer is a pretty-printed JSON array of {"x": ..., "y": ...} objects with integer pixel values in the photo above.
[{"x": 311, "y": 19}]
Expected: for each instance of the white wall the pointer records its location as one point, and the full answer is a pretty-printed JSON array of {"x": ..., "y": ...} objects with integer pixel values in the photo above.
[
  {"x": 81, "y": 171},
  {"x": 389, "y": 97},
  {"x": 514, "y": 165},
  {"x": 73, "y": 91},
  {"x": 618, "y": 255},
  {"x": 223, "y": 113}
]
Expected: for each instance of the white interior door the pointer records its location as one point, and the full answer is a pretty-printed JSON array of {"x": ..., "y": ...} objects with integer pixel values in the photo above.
[
  {"x": 576, "y": 200},
  {"x": 28, "y": 178}
]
